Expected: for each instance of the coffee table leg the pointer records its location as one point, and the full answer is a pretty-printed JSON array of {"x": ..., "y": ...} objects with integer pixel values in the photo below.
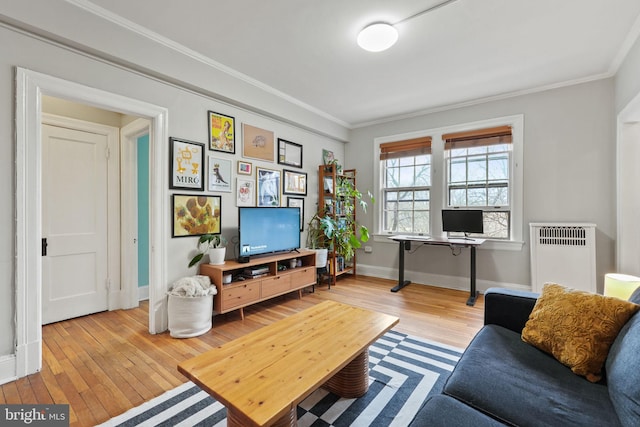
[
  {"x": 290, "y": 419},
  {"x": 353, "y": 379}
]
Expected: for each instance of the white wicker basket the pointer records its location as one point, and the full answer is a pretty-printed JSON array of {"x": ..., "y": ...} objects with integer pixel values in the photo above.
[{"x": 190, "y": 316}]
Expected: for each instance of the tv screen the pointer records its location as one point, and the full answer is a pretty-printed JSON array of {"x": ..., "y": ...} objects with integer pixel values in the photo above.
[
  {"x": 266, "y": 230},
  {"x": 462, "y": 221}
]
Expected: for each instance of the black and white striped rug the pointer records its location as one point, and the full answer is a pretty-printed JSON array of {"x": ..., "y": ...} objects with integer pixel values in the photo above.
[{"x": 404, "y": 371}]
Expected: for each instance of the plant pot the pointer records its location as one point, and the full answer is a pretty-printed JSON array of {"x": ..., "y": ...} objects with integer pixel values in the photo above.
[
  {"x": 321, "y": 257},
  {"x": 190, "y": 316},
  {"x": 216, "y": 256}
]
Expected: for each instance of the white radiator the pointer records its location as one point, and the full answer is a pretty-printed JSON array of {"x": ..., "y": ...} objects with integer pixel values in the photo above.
[{"x": 563, "y": 253}]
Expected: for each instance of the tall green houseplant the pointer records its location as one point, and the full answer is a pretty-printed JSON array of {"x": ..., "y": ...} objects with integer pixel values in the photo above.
[{"x": 340, "y": 232}]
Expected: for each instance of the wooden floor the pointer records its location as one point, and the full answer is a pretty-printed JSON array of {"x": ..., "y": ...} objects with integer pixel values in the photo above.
[{"x": 107, "y": 363}]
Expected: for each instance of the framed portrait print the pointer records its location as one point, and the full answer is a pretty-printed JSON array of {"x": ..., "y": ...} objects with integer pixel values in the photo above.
[
  {"x": 186, "y": 164},
  {"x": 289, "y": 153},
  {"x": 195, "y": 215},
  {"x": 222, "y": 131},
  {"x": 267, "y": 187},
  {"x": 244, "y": 168},
  {"x": 327, "y": 156},
  {"x": 219, "y": 171},
  {"x": 245, "y": 192},
  {"x": 294, "y": 182},
  {"x": 297, "y": 202},
  {"x": 257, "y": 143}
]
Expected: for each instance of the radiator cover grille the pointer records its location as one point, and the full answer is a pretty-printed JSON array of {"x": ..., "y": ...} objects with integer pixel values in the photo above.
[
  {"x": 562, "y": 235},
  {"x": 563, "y": 253}
]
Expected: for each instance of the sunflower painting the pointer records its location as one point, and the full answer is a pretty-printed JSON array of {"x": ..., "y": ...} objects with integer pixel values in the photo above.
[{"x": 196, "y": 215}]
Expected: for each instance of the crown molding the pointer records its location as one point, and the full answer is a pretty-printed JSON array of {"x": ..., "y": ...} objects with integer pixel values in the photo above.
[
  {"x": 190, "y": 53},
  {"x": 483, "y": 100}
]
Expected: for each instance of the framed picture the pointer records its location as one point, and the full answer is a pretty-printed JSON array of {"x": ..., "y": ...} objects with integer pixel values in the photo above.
[
  {"x": 297, "y": 202},
  {"x": 244, "y": 168},
  {"x": 294, "y": 182},
  {"x": 327, "y": 156},
  {"x": 194, "y": 215},
  {"x": 289, "y": 153},
  {"x": 186, "y": 164},
  {"x": 219, "y": 171},
  {"x": 268, "y": 187},
  {"x": 257, "y": 143},
  {"x": 222, "y": 131},
  {"x": 245, "y": 192}
]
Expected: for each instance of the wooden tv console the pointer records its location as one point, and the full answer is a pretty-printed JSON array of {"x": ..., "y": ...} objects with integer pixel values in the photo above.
[{"x": 241, "y": 293}]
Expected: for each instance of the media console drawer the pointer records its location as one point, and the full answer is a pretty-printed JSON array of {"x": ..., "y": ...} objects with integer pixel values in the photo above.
[
  {"x": 275, "y": 285},
  {"x": 303, "y": 277},
  {"x": 240, "y": 295}
]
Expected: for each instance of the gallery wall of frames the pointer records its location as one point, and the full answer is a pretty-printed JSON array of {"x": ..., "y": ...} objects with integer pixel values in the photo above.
[{"x": 200, "y": 172}]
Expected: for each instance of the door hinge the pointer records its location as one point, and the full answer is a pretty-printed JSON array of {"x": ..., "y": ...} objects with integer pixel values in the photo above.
[
  {"x": 108, "y": 284},
  {"x": 44, "y": 246},
  {"x": 107, "y": 153}
]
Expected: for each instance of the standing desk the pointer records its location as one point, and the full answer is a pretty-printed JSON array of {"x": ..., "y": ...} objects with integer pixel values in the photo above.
[{"x": 405, "y": 244}]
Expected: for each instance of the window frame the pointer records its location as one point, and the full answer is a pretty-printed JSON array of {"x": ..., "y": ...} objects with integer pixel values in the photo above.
[
  {"x": 485, "y": 184},
  {"x": 438, "y": 190},
  {"x": 384, "y": 191}
]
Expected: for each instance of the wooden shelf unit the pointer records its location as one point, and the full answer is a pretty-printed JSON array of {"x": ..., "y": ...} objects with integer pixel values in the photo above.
[
  {"x": 241, "y": 293},
  {"x": 329, "y": 203}
]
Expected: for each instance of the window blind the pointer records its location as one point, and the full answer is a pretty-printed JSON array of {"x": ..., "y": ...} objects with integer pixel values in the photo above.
[
  {"x": 406, "y": 148},
  {"x": 478, "y": 138}
]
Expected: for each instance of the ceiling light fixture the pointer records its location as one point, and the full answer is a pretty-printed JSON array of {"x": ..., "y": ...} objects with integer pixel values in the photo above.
[
  {"x": 377, "y": 37},
  {"x": 381, "y": 36}
]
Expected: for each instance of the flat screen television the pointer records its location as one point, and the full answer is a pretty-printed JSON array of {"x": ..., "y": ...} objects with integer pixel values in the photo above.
[
  {"x": 462, "y": 221},
  {"x": 267, "y": 230}
]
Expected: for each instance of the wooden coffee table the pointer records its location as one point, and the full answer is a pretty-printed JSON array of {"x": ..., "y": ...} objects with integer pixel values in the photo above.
[{"x": 261, "y": 377}]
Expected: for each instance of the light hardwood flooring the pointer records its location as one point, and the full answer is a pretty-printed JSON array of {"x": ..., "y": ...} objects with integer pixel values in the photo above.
[{"x": 107, "y": 363}]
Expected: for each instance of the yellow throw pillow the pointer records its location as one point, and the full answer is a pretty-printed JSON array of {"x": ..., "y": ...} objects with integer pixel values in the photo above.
[{"x": 577, "y": 327}]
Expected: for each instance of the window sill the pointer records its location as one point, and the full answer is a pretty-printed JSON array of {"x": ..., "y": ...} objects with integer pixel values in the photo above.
[{"x": 496, "y": 245}]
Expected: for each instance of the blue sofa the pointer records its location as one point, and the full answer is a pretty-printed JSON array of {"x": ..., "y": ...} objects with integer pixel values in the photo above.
[{"x": 501, "y": 380}]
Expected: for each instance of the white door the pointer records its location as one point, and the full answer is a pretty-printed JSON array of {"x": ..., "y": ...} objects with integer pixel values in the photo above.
[{"x": 74, "y": 223}]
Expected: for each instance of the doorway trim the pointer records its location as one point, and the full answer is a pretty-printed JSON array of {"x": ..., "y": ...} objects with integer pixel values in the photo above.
[
  {"x": 30, "y": 87},
  {"x": 627, "y": 154},
  {"x": 129, "y": 208}
]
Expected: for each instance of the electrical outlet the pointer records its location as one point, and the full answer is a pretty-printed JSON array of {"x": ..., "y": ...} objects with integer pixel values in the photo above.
[{"x": 368, "y": 249}]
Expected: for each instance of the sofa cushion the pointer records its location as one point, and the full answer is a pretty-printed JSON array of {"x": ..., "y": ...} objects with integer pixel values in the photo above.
[
  {"x": 516, "y": 383},
  {"x": 577, "y": 327},
  {"x": 623, "y": 373},
  {"x": 445, "y": 411}
]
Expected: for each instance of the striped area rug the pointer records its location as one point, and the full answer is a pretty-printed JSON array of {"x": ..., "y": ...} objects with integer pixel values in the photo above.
[{"x": 404, "y": 371}]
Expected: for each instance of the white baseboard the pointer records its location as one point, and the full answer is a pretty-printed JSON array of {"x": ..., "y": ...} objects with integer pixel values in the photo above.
[
  {"x": 143, "y": 293},
  {"x": 8, "y": 369},
  {"x": 438, "y": 280}
]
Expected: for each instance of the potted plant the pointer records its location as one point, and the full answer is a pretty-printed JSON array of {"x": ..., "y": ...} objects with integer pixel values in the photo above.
[
  {"x": 316, "y": 241},
  {"x": 214, "y": 245},
  {"x": 343, "y": 232}
]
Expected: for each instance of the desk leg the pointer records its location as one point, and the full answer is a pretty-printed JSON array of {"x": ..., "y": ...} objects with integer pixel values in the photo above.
[
  {"x": 403, "y": 245},
  {"x": 473, "y": 294}
]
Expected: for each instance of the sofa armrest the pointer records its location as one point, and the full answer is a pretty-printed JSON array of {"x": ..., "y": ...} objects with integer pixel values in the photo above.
[{"x": 508, "y": 308}]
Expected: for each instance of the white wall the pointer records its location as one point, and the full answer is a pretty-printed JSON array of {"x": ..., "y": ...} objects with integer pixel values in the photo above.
[
  {"x": 569, "y": 161},
  {"x": 627, "y": 90},
  {"x": 187, "y": 119},
  {"x": 627, "y": 83}
]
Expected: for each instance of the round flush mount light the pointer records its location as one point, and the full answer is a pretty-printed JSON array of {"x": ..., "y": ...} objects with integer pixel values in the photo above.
[{"x": 377, "y": 37}]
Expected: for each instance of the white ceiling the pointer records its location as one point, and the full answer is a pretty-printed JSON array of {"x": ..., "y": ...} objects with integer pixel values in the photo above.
[{"x": 465, "y": 51}]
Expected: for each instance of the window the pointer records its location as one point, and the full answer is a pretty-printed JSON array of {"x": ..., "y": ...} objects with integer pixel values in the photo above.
[
  {"x": 406, "y": 186},
  {"x": 478, "y": 176},
  {"x": 465, "y": 166}
]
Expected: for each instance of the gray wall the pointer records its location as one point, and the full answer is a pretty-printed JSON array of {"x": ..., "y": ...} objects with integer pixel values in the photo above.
[
  {"x": 569, "y": 162},
  {"x": 187, "y": 119},
  {"x": 627, "y": 82}
]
